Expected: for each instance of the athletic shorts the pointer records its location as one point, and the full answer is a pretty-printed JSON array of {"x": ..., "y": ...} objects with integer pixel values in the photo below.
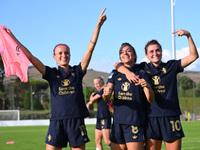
[
  {"x": 62, "y": 131},
  {"x": 103, "y": 124},
  {"x": 164, "y": 128},
  {"x": 122, "y": 133}
]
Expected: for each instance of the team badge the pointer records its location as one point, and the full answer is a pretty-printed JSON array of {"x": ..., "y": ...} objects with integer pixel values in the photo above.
[
  {"x": 72, "y": 74},
  {"x": 65, "y": 82},
  {"x": 49, "y": 137},
  {"x": 103, "y": 122},
  {"x": 134, "y": 137},
  {"x": 156, "y": 80},
  {"x": 164, "y": 70},
  {"x": 119, "y": 79},
  {"x": 57, "y": 76},
  {"x": 125, "y": 86}
]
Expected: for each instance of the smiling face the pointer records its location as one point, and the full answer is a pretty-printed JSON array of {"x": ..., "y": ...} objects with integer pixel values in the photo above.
[
  {"x": 127, "y": 56},
  {"x": 62, "y": 55},
  {"x": 154, "y": 54},
  {"x": 98, "y": 84}
]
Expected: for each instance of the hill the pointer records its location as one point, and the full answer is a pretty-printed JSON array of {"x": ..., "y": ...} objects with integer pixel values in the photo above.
[
  {"x": 91, "y": 74},
  {"x": 33, "y": 73}
]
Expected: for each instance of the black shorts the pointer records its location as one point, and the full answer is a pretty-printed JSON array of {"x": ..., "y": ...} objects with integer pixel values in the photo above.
[
  {"x": 103, "y": 123},
  {"x": 62, "y": 131},
  {"x": 164, "y": 128},
  {"x": 122, "y": 133}
]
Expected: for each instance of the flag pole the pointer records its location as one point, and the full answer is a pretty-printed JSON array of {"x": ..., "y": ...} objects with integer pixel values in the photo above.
[{"x": 173, "y": 35}]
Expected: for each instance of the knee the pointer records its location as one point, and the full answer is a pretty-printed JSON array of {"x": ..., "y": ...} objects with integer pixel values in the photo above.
[
  {"x": 98, "y": 141},
  {"x": 107, "y": 142}
]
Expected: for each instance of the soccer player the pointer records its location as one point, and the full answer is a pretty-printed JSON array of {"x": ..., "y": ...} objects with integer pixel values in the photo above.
[
  {"x": 67, "y": 101},
  {"x": 163, "y": 122},
  {"x": 103, "y": 123},
  {"x": 129, "y": 101}
]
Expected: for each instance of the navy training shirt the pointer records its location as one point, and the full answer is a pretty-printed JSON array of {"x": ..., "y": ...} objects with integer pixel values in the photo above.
[
  {"x": 67, "y": 99},
  {"x": 102, "y": 111},
  {"x": 164, "y": 80},
  {"x": 129, "y": 100}
]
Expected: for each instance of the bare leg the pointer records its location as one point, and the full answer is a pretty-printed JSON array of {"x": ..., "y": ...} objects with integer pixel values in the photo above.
[
  {"x": 106, "y": 136},
  {"x": 152, "y": 144},
  {"x": 50, "y": 147},
  {"x": 115, "y": 146},
  {"x": 173, "y": 145},
  {"x": 82, "y": 147},
  {"x": 135, "y": 145},
  {"x": 98, "y": 139}
]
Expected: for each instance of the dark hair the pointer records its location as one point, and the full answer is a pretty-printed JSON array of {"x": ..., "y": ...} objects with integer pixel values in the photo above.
[
  {"x": 127, "y": 44},
  {"x": 151, "y": 43},
  {"x": 59, "y": 45}
]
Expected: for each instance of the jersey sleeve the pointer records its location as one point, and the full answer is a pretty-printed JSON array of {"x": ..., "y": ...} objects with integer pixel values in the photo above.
[
  {"x": 111, "y": 77},
  {"x": 100, "y": 92}
]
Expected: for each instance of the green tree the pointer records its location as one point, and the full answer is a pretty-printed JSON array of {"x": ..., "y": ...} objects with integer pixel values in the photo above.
[
  {"x": 27, "y": 103},
  {"x": 197, "y": 90},
  {"x": 185, "y": 82},
  {"x": 20, "y": 88}
]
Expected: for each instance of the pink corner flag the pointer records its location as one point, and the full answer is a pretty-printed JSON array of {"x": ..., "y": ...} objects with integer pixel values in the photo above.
[{"x": 14, "y": 60}]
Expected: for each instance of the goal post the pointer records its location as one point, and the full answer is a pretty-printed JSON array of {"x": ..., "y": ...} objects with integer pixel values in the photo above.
[{"x": 9, "y": 115}]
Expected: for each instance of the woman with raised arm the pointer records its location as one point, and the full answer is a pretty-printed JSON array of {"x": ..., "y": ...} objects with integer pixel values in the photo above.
[
  {"x": 68, "y": 108},
  {"x": 163, "y": 114},
  {"x": 129, "y": 103}
]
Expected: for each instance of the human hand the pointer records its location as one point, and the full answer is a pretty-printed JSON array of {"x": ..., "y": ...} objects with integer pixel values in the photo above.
[
  {"x": 142, "y": 83},
  {"x": 182, "y": 32},
  {"x": 132, "y": 77},
  {"x": 102, "y": 18},
  {"x": 88, "y": 105}
]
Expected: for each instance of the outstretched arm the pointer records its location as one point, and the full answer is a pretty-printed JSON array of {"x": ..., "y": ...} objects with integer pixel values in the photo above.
[
  {"x": 132, "y": 77},
  {"x": 36, "y": 62},
  {"x": 88, "y": 54},
  {"x": 192, "y": 48}
]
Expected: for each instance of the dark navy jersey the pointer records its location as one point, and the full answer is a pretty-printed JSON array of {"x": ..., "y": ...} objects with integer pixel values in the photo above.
[
  {"x": 67, "y": 100},
  {"x": 102, "y": 111},
  {"x": 128, "y": 98},
  {"x": 164, "y": 80}
]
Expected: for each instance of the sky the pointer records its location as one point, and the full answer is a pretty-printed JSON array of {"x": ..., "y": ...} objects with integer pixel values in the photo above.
[{"x": 41, "y": 24}]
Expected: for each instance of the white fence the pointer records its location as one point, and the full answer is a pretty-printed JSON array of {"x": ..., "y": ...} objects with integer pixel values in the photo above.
[{"x": 37, "y": 122}]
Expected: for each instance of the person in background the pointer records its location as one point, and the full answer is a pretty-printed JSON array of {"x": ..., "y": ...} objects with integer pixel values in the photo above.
[
  {"x": 129, "y": 103},
  {"x": 163, "y": 114},
  {"x": 68, "y": 108},
  {"x": 103, "y": 123}
]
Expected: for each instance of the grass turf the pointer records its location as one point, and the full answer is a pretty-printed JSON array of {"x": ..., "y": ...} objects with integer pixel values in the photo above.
[{"x": 32, "y": 137}]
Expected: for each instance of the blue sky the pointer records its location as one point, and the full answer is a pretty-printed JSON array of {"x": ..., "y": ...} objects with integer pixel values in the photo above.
[{"x": 42, "y": 24}]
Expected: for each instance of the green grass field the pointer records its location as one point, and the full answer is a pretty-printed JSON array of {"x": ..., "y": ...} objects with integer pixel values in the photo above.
[{"x": 32, "y": 137}]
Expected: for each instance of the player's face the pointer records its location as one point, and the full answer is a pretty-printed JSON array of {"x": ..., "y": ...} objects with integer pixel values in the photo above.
[
  {"x": 154, "y": 54},
  {"x": 97, "y": 84},
  {"x": 127, "y": 56},
  {"x": 62, "y": 55}
]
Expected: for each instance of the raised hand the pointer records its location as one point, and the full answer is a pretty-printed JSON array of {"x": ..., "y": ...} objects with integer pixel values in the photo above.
[
  {"x": 102, "y": 18},
  {"x": 182, "y": 32}
]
